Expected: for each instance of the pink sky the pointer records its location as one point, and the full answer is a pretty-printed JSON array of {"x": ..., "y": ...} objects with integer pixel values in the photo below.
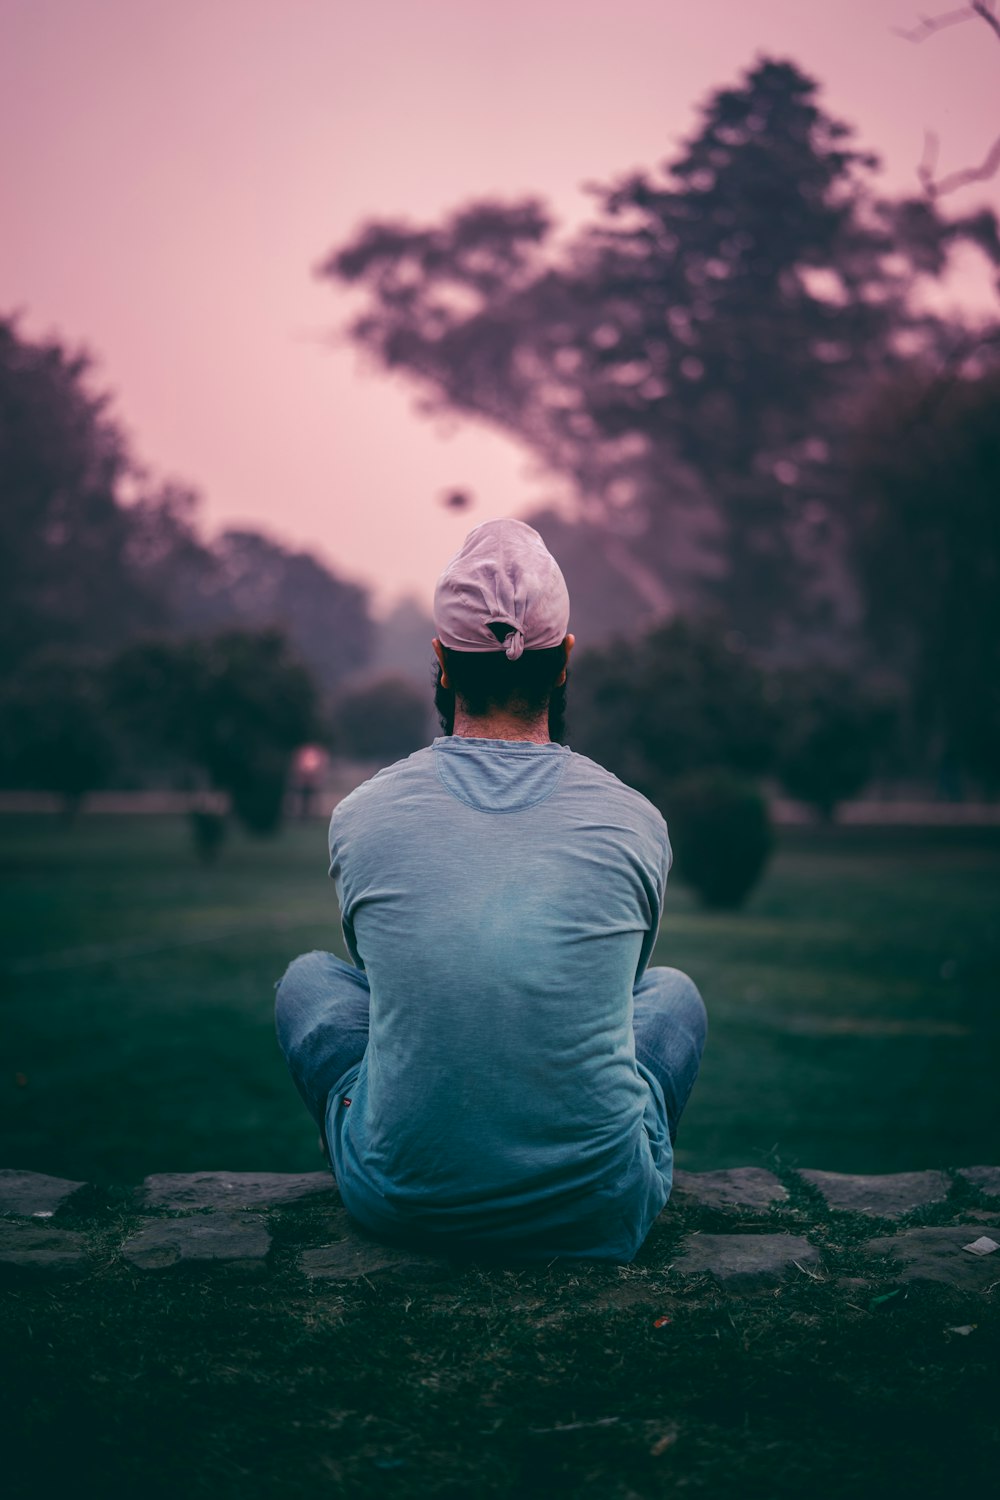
[{"x": 173, "y": 170}]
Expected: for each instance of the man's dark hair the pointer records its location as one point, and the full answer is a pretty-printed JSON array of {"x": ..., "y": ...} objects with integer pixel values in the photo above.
[{"x": 486, "y": 681}]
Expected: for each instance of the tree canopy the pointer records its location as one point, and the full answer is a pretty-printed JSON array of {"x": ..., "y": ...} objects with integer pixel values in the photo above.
[
  {"x": 64, "y": 570},
  {"x": 93, "y": 555},
  {"x": 232, "y": 708},
  {"x": 677, "y": 699},
  {"x": 693, "y": 358},
  {"x": 927, "y": 542}
]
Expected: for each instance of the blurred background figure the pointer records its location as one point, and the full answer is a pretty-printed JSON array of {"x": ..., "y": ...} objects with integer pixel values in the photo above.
[{"x": 309, "y": 764}]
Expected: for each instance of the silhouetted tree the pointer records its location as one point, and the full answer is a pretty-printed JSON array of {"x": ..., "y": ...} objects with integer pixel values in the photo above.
[
  {"x": 248, "y": 580},
  {"x": 64, "y": 572},
  {"x": 677, "y": 700},
  {"x": 936, "y": 186},
  {"x": 832, "y": 730},
  {"x": 927, "y": 529},
  {"x": 695, "y": 357},
  {"x": 324, "y": 617},
  {"x": 383, "y": 720},
  {"x": 80, "y": 566},
  {"x": 721, "y": 834},
  {"x": 234, "y": 706},
  {"x": 54, "y": 729},
  {"x": 403, "y": 645},
  {"x": 171, "y": 561}
]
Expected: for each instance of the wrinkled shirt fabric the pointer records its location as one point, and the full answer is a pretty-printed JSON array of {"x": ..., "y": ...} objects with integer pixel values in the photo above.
[{"x": 502, "y": 898}]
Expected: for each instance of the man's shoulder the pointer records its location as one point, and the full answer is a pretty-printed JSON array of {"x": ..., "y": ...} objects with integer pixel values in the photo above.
[
  {"x": 595, "y": 774},
  {"x": 583, "y": 776},
  {"x": 597, "y": 781},
  {"x": 386, "y": 783}
]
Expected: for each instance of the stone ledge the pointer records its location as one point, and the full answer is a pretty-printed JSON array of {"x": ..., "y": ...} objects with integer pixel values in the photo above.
[
  {"x": 233, "y": 1189},
  {"x": 220, "y": 1221},
  {"x": 353, "y": 1257},
  {"x": 41, "y": 1251},
  {"x": 733, "y": 1188},
  {"x": 238, "y": 1242},
  {"x": 885, "y": 1197},
  {"x": 747, "y": 1262},
  {"x": 33, "y": 1194},
  {"x": 985, "y": 1180},
  {"x": 939, "y": 1254}
]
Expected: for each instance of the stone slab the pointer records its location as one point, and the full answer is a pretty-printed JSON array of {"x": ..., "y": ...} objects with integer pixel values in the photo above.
[
  {"x": 886, "y": 1196},
  {"x": 34, "y": 1193},
  {"x": 937, "y": 1255},
  {"x": 235, "y": 1241},
  {"x": 28, "y": 1249},
  {"x": 737, "y": 1187},
  {"x": 234, "y": 1190},
  {"x": 986, "y": 1179},
  {"x": 353, "y": 1255},
  {"x": 747, "y": 1262}
]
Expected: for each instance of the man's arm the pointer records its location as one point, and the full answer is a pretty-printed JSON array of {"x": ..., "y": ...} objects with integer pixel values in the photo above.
[
  {"x": 337, "y": 875},
  {"x": 656, "y": 888}
]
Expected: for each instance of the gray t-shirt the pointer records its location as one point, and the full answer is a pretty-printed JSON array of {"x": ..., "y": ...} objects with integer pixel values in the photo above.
[{"x": 503, "y": 898}]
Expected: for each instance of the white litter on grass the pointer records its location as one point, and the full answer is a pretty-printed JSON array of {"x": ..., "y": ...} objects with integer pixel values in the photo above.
[
  {"x": 983, "y": 1246},
  {"x": 963, "y": 1328}
]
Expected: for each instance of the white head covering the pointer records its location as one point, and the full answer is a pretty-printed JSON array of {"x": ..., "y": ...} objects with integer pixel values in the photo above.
[{"x": 503, "y": 574}]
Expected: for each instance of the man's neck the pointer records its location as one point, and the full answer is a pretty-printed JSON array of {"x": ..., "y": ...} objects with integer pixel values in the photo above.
[{"x": 502, "y": 727}]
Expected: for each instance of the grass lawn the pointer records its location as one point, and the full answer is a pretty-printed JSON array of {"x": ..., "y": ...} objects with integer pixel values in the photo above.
[
  {"x": 854, "y": 1026},
  {"x": 576, "y": 1381},
  {"x": 854, "y": 1023}
]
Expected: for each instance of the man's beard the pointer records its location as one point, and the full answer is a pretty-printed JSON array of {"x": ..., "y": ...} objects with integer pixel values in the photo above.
[{"x": 444, "y": 702}]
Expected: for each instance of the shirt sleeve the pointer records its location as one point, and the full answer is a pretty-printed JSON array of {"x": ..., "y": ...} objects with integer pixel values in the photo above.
[
  {"x": 657, "y": 892},
  {"x": 339, "y": 878}
]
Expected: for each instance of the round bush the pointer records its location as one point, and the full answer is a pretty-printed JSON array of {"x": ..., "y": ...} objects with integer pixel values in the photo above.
[
  {"x": 721, "y": 834},
  {"x": 257, "y": 788},
  {"x": 208, "y": 829}
]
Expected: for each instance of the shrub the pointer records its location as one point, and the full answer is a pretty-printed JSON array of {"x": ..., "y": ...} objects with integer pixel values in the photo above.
[
  {"x": 208, "y": 829},
  {"x": 721, "y": 834},
  {"x": 832, "y": 733},
  {"x": 257, "y": 784},
  {"x": 684, "y": 696},
  {"x": 232, "y": 707},
  {"x": 54, "y": 733},
  {"x": 382, "y": 721}
]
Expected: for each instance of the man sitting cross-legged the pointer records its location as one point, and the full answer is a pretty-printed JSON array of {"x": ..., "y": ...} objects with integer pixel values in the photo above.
[{"x": 498, "y": 1071}]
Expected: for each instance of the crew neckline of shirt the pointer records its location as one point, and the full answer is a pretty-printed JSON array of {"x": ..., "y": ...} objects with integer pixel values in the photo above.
[{"x": 453, "y": 741}]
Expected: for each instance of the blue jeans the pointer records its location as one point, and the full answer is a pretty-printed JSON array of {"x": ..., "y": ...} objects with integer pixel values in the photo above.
[{"x": 321, "y": 1017}]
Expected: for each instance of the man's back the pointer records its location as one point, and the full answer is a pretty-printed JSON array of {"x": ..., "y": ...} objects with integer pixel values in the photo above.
[{"x": 503, "y": 897}]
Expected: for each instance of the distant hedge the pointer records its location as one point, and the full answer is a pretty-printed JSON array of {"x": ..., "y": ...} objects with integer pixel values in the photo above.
[{"x": 721, "y": 834}]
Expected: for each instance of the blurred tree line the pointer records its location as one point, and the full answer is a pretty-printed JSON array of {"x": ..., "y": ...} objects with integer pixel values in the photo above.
[
  {"x": 785, "y": 547},
  {"x": 131, "y": 649},
  {"x": 81, "y": 568},
  {"x": 771, "y": 434}
]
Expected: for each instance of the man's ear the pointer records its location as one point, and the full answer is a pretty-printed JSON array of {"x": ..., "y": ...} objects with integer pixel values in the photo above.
[
  {"x": 568, "y": 643},
  {"x": 439, "y": 653}
]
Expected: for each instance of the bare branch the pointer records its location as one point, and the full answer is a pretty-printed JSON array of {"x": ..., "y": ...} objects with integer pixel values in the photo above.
[
  {"x": 986, "y": 10},
  {"x": 933, "y": 186},
  {"x": 928, "y": 162},
  {"x": 987, "y": 168},
  {"x": 931, "y": 24}
]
